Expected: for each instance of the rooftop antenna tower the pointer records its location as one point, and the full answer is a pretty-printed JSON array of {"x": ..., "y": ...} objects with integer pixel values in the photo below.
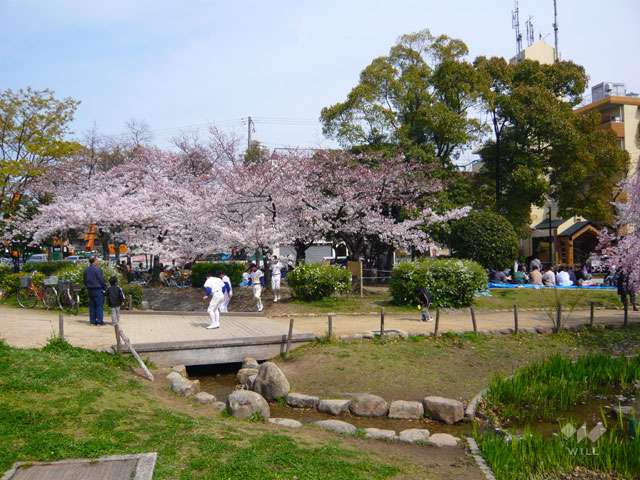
[
  {"x": 556, "y": 53},
  {"x": 515, "y": 23},
  {"x": 530, "y": 34}
]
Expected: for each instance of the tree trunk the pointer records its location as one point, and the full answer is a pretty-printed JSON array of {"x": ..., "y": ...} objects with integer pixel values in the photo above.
[{"x": 301, "y": 250}]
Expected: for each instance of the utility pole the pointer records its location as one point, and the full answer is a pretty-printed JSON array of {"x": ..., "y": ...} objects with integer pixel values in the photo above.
[
  {"x": 250, "y": 129},
  {"x": 515, "y": 23},
  {"x": 556, "y": 53},
  {"x": 550, "y": 238}
]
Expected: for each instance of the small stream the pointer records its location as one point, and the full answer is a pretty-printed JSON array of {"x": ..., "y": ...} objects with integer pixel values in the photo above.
[{"x": 220, "y": 380}]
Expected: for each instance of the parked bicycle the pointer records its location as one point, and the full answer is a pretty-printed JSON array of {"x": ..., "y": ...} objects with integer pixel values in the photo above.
[
  {"x": 29, "y": 293},
  {"x": 69, "y": 296}
]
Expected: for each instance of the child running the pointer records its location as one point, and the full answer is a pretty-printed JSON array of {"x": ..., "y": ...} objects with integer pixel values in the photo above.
[
  {"x": 257, "y": 278},
  {"x": 213, "y": 288}
]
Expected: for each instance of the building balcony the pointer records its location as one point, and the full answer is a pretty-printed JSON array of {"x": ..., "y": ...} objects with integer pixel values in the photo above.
[{"x": 616, "y": 126}]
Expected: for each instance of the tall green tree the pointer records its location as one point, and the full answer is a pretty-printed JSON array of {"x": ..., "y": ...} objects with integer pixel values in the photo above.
[
  {"x": 33, "y": 129},
  {"x": 417, "y": 98},
  {"x": 539, "y": 147}
]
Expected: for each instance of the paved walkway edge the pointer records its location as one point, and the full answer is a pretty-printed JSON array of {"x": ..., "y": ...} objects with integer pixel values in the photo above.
[{"x": 477, "y": 456}]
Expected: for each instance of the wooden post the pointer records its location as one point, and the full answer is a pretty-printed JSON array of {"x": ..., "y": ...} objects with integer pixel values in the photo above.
[
  {"x": 626, "y": 312},
  {"x": 288, "y": 347},
  {"x": 382, "y": 322},
  {"x": 473, "y": 319},
  {"x": 130, "y": 302},
  {"x": 361, "y": 280},
  {"x": 558, "y": 318},
  {"x": 591, "y": 313},
  {"x": 437, "y": 325},
  {"x": 118, "y": 339},
  {"x": 61, "y": 326},
  {"x": 330, "y": 327},
  {"x": 127, "y": 342},
  {"x": 515, "y": 318}
]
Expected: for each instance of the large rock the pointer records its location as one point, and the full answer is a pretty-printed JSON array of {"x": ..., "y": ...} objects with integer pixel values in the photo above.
[
  {"x": 414, "y": 435},
  {"x": 244, "y": 375},
  {"x": 181, "y": 369},
  {"x": 244, "y": 403},
  {"x": 368, "y": 405},
  {"x": 219, "y": 406},
  {"x": 250, "y": 362},
  {"x": 334, "y": 407},
  {"x": 271, "y": 382},
  {"x": 337, "y": 426},
  {"x": 404, "y": 410},
  {"x": 300, "y": 400},
  {"x": 182, "y": 385},
  {"x": 442, "y": 440},
  {"x": 286, "y": 422},
  {"x": 445, "y": 409},
  {"x": 379, "y": 434},
  {"x": 205, "y": 398}
]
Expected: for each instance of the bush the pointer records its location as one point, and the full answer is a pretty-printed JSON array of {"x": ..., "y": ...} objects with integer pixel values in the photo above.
[
  {"x": 48, "y": 268},
  {"x": 136, "y": 292},
  {"x": 200, "y": 271},
  {"x": 9, "y": 283},
  {"x": 451, "y": 282},
  {"x": 487, "y": 238},
  {"x": 316, "y": 281}
]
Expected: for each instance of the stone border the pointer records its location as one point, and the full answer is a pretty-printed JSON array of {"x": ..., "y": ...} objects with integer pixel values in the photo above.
[
  {"x": 477, "y": 455},
  {"x": 472, "y": 406},
  {"x": 144, "y": 467}
]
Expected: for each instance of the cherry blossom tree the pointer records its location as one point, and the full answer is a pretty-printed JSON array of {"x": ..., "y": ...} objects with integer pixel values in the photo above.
[{"x": 623, "y": 249}]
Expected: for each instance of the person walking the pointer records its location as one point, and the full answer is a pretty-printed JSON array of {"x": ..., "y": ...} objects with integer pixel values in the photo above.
[
  {"x": 424, "y": 298},
  {"x": 94, "y": 283},
  {"x": 213, "y": 287},
  {"x": 276, "y": 278},
  {"x": 115, "y": 299},
  {"x": 227, "y": 290},
  {"x": 256, "y": 277},
  {"x": 625, "y": 291}
]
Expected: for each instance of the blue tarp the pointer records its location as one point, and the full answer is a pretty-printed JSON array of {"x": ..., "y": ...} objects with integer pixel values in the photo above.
[{"x": 537, "y": 287}]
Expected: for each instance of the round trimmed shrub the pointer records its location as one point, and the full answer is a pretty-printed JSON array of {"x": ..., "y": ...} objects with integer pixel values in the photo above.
[
  {"x": 486, "y": 237},
  {"x": 452, "y": 282},
  {"x": 315, "y": 281}
]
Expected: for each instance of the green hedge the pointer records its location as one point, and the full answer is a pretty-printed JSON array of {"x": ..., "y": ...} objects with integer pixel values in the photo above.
[
  {"x": 486, "y": 237},
  {"x": 200, "y": 271},
  {"x": 48, "y": 268},
  {"x": 451, "y": 282},
  {"x": 136, "y": 292},
  {"x": 316, "y": 281}
]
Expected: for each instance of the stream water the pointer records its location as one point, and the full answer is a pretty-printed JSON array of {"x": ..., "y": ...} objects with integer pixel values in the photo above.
[{"x": 220, "y": 380}]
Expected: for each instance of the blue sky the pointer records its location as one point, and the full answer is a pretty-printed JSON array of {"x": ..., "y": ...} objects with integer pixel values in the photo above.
[{"x": 182, "y": 63}]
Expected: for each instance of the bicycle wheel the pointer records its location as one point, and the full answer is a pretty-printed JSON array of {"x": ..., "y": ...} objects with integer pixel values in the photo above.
[
  {"x": 74, "y": 302},
  {"x": 26, "y": 298},
  {"x": 51, "y": 299}
]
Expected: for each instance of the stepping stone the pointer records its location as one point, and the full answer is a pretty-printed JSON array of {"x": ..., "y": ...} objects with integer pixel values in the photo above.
[
  {"x": 300, "y": 400},
  {"x": 379, "y": 434},
  {"x": 443, "y": 440},
  {"x": 414, "y": 435},
  {"x": 181, "y": 369},
  {"x": 447, "y": 410},
  {"x": 286, "y": 422},
  {"x": 204, "y": 398},
  {"x": 334, "y": 407},
  {"x": 404, "y": 410},
  {"x": 368, "y": 405},
  {"x": 337, "y": 426}
]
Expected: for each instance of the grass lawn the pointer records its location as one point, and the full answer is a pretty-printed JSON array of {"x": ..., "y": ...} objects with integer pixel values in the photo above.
[
  {"x": 377, "y": 297},
  {"x": 63, "y": 402},
  {"x": 456, "y": 366}
]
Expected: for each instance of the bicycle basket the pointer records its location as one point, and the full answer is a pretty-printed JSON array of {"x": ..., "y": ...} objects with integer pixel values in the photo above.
[
  {"x": 25, "y": 282},
  {"x": 51, "y": 281}
]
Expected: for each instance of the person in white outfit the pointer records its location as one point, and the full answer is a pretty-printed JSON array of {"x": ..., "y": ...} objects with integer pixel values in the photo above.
[
  {"x": 213, "y": 287},
  {"x": 276, "y": 278},
  {"x": 256, "y": 277},
  {"x": 228, "y": 293}
]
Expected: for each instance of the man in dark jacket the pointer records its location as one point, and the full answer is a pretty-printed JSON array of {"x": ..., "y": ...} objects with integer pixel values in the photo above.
[
  {"x": 94, "y": 282},
  {"x": 626, "y": 292}
]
